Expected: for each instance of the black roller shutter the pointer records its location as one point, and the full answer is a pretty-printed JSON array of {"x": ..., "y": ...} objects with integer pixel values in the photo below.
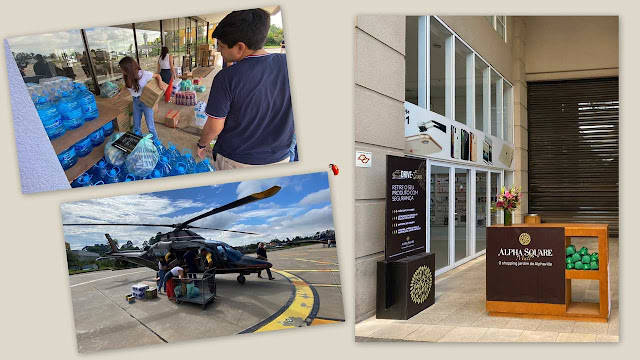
[{"x": 574, "y": 152}]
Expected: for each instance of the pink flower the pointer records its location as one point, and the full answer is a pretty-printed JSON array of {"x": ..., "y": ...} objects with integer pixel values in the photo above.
[
  {"x": 508, "y": 195},
  {"x": 499, "y": 204}
]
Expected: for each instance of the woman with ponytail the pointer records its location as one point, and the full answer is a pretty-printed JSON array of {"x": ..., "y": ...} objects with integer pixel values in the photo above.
[{"x": 166, "y": 70}]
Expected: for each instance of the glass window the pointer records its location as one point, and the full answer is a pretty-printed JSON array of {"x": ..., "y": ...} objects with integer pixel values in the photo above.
[
  {"x": 411, "y": 60},
  {"x": 438, "y": 69},
  {"x": 108, "y": 45},
  {"x": 463, "y": 82},
  {"x": 460, "y": 214},
  {"x": 482, "y": 93},
  {"x": 489, "y": 19},
  {"x": 496, "y": 109},
  {"x": 149, "y": 44},
  {"x": 507, "y": 111},
  {"x": 439, "y": 214},
  {"x": 481, "y": 210},
  {"x": 48, "y": 55},
  {"x": 501, "y": 26}
]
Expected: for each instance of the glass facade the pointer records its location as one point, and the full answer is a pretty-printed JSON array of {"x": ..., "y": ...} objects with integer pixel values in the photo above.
[
  {"x": 67, "y": 54},
  {"x": 439, "y": 215},
  {"x": 438, "y": 75}
]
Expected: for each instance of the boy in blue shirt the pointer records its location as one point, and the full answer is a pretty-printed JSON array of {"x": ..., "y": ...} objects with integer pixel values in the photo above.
[{"x": 249, "y": 105}]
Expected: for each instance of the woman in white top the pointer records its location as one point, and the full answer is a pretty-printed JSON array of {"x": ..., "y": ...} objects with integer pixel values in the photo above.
[
  {"x": 135, "y": 79},
  {"x": 165, "y": 65}
]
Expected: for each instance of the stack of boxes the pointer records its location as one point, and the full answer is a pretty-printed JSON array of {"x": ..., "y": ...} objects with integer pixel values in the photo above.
[
  {"x": 138, "y": 290},
  {"x": 207, "y": 54}
]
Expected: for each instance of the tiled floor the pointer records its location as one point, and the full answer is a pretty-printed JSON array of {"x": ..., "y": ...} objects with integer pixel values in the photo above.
[{"x": 459, "y": 315}]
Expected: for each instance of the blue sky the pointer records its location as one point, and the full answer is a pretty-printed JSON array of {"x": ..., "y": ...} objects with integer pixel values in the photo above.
[{"x": 302, "y": 207}]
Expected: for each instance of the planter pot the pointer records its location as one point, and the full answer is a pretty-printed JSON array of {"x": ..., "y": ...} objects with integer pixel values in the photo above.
[{"x": 507, "y": 218}]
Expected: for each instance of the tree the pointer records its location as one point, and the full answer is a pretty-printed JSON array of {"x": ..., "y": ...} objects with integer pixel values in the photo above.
[
  {"x": 72, "y": 259},
  {"x": 275, "y": 35}
]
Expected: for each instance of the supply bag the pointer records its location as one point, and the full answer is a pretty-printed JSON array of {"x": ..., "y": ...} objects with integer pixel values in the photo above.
[
  {"x": 143, "y": 158},
  {"x": 192, "y": 291},
  {"x": 113, "y": 155}
]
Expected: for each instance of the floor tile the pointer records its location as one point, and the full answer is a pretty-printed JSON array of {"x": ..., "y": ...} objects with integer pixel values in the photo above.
[
  {"x": 584, "y": 327},
  {"x": 430, "y": 333},
  {"x": 487, "y": 321},
  {"x": 371, "y": 325},
  {"x": 427, "y": 318},
  {"x": 522, "y": 324},
  {"x": 607, "y": 338},
  {"x": 537, "y": 336},
  {"x": 500, "y": 335},
  {"x": 463, "y": 334},
  {"x": 576, "y": 337},
  {"x": 560, "y": 326},
  {"x": 460, "y": 319},
  {"x": 395, "y": 331}
]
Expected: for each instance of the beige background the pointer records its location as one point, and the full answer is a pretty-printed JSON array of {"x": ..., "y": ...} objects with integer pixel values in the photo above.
[{"x": 320, "y": 39}]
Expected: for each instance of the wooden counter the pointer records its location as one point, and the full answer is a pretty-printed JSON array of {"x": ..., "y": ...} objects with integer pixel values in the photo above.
[{"x": 577, "y": 311}]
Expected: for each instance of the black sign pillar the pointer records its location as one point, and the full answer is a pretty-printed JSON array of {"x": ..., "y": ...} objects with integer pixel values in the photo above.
[{"x": 406, "y": 278}]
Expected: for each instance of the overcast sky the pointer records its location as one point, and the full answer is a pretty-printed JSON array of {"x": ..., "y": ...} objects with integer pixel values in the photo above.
[{"x": 302, "y": 207}]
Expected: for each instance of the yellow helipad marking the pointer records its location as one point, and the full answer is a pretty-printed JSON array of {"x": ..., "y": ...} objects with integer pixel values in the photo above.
[
  {"x": 319, "y": 262},
  {"x": 326, "y": 285},
  {"x": 313, "y": 270},
  {"x": 298, "y": 311}
]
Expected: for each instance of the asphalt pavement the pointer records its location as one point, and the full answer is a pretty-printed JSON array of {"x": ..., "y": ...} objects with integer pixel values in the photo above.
[{"x": 306, "y": 291}]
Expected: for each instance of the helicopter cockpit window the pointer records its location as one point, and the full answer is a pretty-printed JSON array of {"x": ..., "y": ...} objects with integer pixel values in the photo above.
[
  {"x": 222, "y": 252},
  {"x": 232, "y": 253}
]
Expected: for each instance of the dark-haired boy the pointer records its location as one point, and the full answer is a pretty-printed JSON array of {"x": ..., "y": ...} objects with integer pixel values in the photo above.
[{"x": 249, "y": 105}]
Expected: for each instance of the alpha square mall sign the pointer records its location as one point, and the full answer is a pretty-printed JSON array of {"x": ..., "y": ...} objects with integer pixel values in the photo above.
[{"x": 526, "y": 264}]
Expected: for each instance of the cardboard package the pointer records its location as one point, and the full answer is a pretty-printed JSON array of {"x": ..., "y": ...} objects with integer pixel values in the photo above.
[
  {"x": 153, "y": 92},
  {"x": 172, "y": 118},
  {"x": 187, "y": 75},
  {"x": 151, "y": 293}
]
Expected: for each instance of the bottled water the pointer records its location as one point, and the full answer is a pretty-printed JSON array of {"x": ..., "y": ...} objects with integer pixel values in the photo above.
[
  {"x": 144, "y": 157},
  {"x": 87, "y": 101},
  {"x": 108, "y": 128},
  {"x": 204, "y": 166},
  {"x": 179, "y": 169},
  {"x": 70, "y": 110},
  {"x": 164, "y": 166},
  {"x": 130, "y": 177},
  {"x": 98, "y": 183},
  {"x": 188, "y": 160},
  {"x": 50, "y": 117},
  {"x": 99, "y": 170},
  {"x": 84, "y": 147},
  {"x": 97, "y": 137},
  {"x": 161, "y": 149},
  {"x": 113, "y": 176},
  {"x": 82, "y": 181},
  {"x": 172, "y": 153},
  {"x": 68, "y": 158},
  {"x": 156, "y": 174}
]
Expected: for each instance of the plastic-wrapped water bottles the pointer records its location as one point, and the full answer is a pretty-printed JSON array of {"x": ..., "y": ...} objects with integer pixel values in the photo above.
[
  {"x": 99, "y": 170},
  {"x": 97, "y": 137},
  {"x": 130, "y": 177},
  {"x": 155, "y": 174},
  {"x": 107, "y": 128},
  {"x": 164, "y": 165},
  {"x": 68, "y": 158},
  {"x": 113, "y": 176},
  {"x": 188, "y": 160},
  {"x": 84, "y": 147},
  {"x": 161, "y": 149},
  {"x": 108, "y": 89},
  {"x": 179, "y": 169},
  {"x": 82, "y": 181},
  {"x": 50, "y": 117},
  {"x": 171, "y": 153},
  {"x": 113, "y": 155},
  {"x": 98, "y": 183},
  {"x": 70, "y": 110},
  {"x": 204, "y": 166},
  {"x": 144, "y": 157},
  {"x": 87, "y": 101}
]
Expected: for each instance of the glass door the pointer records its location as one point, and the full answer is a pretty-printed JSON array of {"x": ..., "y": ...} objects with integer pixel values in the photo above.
[
  {"x": 461, "y": 214},
  {"x": 496, "y": 185},
  {"x": 482, "y": 209},
  {"x": 439, "y": 215}
]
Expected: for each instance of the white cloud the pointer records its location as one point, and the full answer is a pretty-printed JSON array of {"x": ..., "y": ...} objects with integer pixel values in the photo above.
[
  {"x": 247, "y": 188},
  {"x": 317, "y": 197}
]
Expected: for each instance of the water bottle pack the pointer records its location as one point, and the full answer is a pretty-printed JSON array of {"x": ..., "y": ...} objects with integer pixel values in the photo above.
[
  {"x": 87, "y": 102},
  {"x": 109, "y": 89},
  {"x": 144, "y": 157},
  {"x": 107, "y": 129},
  {"x": 113, "y": 155},
  {"x": 68, "y": 158},
  {"x": 204, "y": 166},
  {"x": 84, "y": 147},
  {"x": 187, "y": 159},
  {"x": 200, "y": 114}
]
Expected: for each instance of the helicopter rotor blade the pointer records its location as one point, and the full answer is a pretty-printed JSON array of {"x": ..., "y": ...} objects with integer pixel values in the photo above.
[
  {"x": 245, "y": 200},
  {"x": 108, "y": 224},
  {"x": 234, "y": 231}
]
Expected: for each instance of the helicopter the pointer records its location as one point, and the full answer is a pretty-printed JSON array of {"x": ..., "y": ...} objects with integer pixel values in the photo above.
[{"x": 226, "y": 259}]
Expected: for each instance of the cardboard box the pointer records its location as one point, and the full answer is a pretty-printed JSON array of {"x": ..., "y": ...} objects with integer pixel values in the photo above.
[
  {"x": 206, "y": 47},
  {"x": 153, "y": 92},
  {"x": 187, "y": 75},
  {"x": 172, "y": 118},
  {"x": 151, "y": 293}
]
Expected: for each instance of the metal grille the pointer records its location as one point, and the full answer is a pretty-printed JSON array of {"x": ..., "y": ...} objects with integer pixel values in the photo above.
[{"x": 574, "y": 152}]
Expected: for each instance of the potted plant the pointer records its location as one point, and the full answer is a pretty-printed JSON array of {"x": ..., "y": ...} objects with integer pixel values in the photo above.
[{"x": 508, "y": 200}]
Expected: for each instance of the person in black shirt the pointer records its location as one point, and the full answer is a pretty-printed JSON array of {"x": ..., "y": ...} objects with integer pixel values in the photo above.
[
  {"x": 262, "y": 255},
  {"x": 190, "y": 261}
]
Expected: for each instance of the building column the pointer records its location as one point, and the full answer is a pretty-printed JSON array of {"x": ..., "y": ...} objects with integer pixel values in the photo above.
[{"x": 521, "y": 134}]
